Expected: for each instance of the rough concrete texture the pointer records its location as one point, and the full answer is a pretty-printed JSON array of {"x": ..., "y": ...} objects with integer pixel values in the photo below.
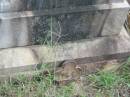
[
  {"x": 22, "y": 5},
  {"x": 28, "y": 56},
  {"x": 113, "y": 21},
  {"x": 15, "y": 32},
  {"x": 75, "y": 20}
]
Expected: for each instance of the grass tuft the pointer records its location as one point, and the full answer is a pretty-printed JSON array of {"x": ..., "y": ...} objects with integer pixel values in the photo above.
[{"x": 101, "y": 84}]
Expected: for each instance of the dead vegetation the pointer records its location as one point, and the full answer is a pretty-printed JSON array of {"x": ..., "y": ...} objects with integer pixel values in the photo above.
[{"x": 69, "y": 81}]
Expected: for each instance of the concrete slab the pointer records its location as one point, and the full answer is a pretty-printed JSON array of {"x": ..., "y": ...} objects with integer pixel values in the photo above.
[
  {"x": 14, "y": 59},
  {"x": 67, "y": 20}
]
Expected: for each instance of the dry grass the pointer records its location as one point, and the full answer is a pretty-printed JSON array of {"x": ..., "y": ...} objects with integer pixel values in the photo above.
[{"x": 101, "y": 84}]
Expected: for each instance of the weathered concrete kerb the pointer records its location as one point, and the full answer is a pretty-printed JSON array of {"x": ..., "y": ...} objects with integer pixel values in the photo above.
[
  {"x": 27, "y": 57},
  {"x": 81, "y": 29}
]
